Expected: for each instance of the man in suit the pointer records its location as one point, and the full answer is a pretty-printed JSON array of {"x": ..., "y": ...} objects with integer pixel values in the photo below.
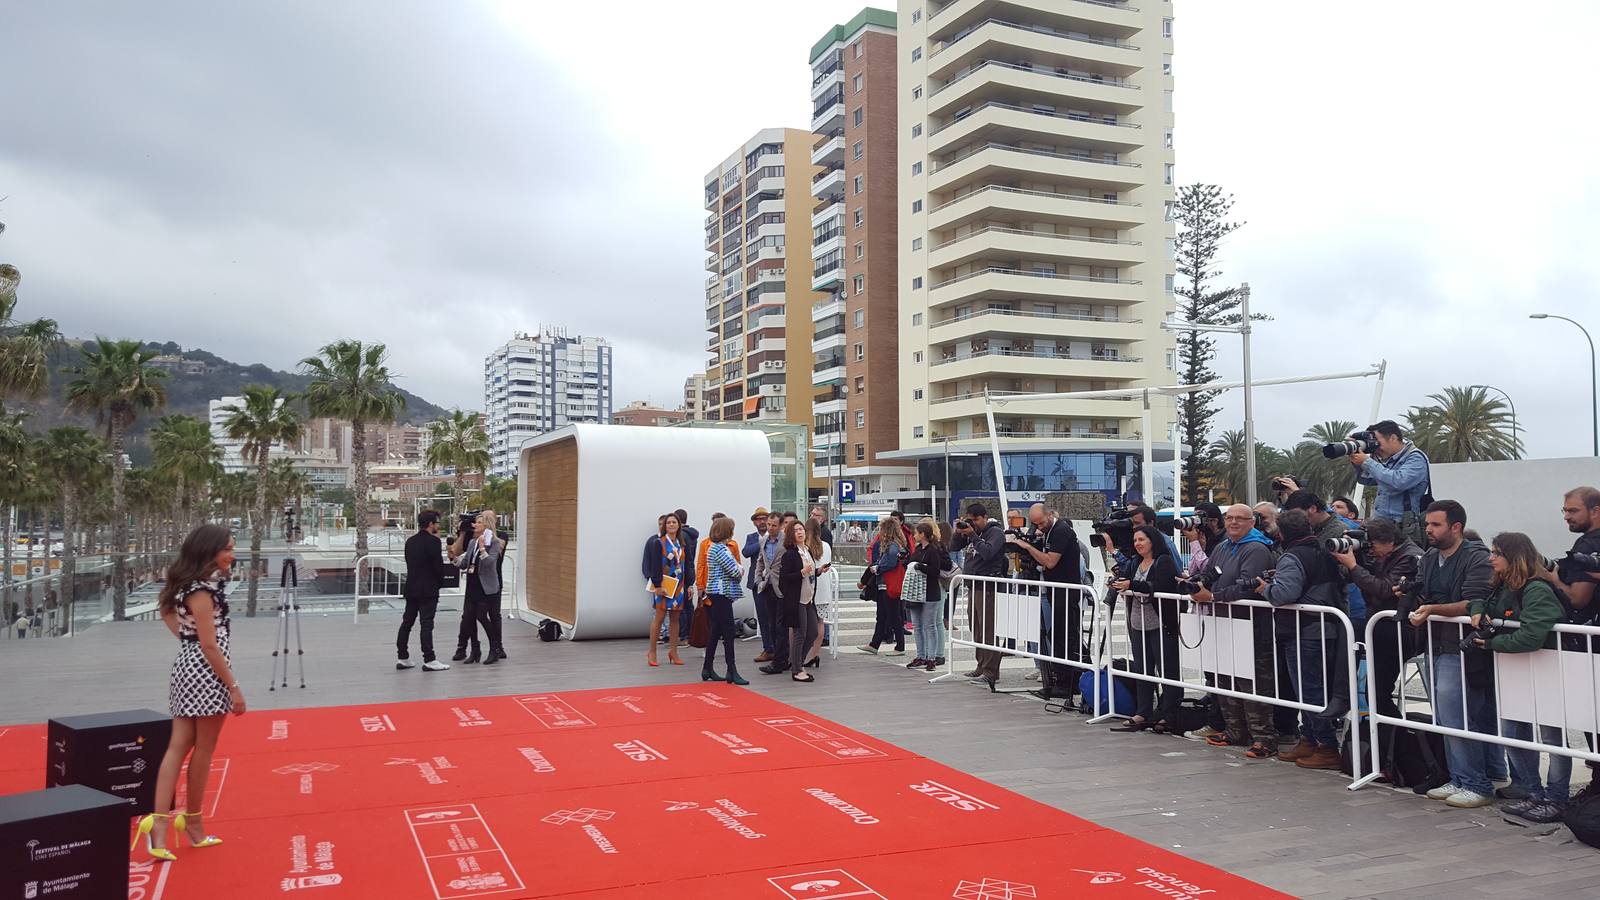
[
  {"x": 482, "y": 560},
  {"x": 425, "y": 569}
]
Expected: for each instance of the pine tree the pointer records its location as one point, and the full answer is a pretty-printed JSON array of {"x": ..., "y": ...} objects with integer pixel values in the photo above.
[{"x": 1202, "y": 212}]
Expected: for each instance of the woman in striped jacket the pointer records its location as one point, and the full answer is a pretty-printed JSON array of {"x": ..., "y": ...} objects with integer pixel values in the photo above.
[{"x": 724, "y": 579}]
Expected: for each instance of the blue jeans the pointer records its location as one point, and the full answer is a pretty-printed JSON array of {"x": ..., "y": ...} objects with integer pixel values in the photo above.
[
  {"x": 1307, "y": 676},
  {"x": 1472, "y": 763},
  {"x": 1525, "y": 763},
  {"x": 927, "y": 624}
]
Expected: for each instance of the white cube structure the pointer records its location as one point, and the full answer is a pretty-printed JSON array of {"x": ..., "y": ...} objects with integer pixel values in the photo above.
[{"x": 588, "y": 497}]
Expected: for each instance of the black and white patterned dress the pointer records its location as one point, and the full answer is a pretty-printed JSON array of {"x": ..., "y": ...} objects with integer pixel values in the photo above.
[{"x": 196, "y": 689}]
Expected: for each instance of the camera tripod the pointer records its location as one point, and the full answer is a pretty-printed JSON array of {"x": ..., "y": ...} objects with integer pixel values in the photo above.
[{"x": 288, "y": 588}]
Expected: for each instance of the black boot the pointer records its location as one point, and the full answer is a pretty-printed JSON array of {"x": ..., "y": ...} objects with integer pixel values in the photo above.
[
  {"x": 493, "y": 657},
  {"x": 472, "y": 657},
  {"x": 734, "y": 677},
  {"x": 461, "y": 653}
]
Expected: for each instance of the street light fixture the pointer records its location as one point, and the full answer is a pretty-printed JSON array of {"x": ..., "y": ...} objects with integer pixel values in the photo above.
[
  {"x": 949, "y": 494},
  {"x": 1594, "y": 383},
  {"x": 1490, "y": 387}
]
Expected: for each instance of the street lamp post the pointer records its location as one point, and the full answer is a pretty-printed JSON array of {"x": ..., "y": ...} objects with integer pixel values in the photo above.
[
  {"x": 1243, "y": 330},
  {"x": 1490, "y": 387},
  {"x": 1594, "y": 383},
  {"x": 949, "y": 493}
]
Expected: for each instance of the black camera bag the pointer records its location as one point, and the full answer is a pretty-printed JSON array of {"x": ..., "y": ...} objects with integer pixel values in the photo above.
[{"x": 1583, "y": 817}]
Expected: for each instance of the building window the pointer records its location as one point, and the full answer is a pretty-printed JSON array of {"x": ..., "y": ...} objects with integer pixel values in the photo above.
[
  {"x": 916, "y": 283},
  {"x": 856, "y": 182},
  {"x": 855, "y": 83},
  {"x": 861, "y": 452},
  {"x": 916, "y": 15},
  {"x": 916, "y": 356},
  {"x": 861, "y": 384},
  {"x": 1166, "y": 63},
  {"x": 916, "y": 431},
  {"x": 861, "y": 250},
  {"x": 1166, "y": 28},
  {"x": 1169, "y": 139},
  {"x": 916, "y": 92},
  {"x": 861, "y": 318},
  {"x": 855, "y": 117},
  {"x": 861, "y": 418},
  {"x": 855, "y": 152},
  {"x": 859, "y": 218},
  {"x": 916, "y": 394},
  {"x": 916, "y": 168},
  {"x": 916, "y": 206},
  {"x": 1171, "y": 286},
  {"x": 855, "y": 50},
  {"x": 1169, "y": 171},
  {"x": 858, "y": 283},
  {"x": 916, "y": 319},
  {"x": 1169, "y": 207},
  {"x": 916, "y": 243},
  {"x": 916, "y": 52},
  {"x": 916, "y": 131},
  {"x": 861, "y": 351}
]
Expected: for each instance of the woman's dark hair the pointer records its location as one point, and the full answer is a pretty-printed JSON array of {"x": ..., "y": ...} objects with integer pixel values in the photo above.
[
  {"x": 788, "y": 535},
  {"x": 721, "y": 529},
  {"x": 197, "y": 561},
  {"x": 927, "y": 531},
  {"x": 1523, "y": 562},
  {"x": 1293, "y": 524},
  {"x": 1383, "y": 531},
  {"x": 1158, "y": 544}
]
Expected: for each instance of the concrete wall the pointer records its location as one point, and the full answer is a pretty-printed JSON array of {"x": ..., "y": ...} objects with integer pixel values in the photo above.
[{"x": 1517, "y": 495}]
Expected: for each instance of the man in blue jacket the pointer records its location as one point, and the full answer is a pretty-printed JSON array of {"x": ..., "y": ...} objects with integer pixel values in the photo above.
[
  {"x": 1241, "y": 560},
  {"x": 1400, "y": 472}
]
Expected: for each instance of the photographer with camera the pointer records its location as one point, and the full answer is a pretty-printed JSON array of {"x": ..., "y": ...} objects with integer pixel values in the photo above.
[
  {"x": 1387, "y": 563},
  {"x": 1307, "y": 575},
  {"x": 1574, "y": 581},
  {"x": 981, "y": 542},
  {"x": 1237, "y": 564},
  {"x": 1385, "y": 459},
  {"x": 1453, "y": 573},
  {"x": 1521, "y": 595},
  {"x": 1152, "y": 631},
  {"x": 1052, "y": 545}
]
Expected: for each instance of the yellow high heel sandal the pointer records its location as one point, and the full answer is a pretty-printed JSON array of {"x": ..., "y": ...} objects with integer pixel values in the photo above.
[
  {"x": 181, "y": 824},
  {"x": 146, "y": 826}
]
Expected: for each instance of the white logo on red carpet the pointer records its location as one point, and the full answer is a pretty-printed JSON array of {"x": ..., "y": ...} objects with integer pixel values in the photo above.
[
  {"x": 707, "y": 697},
  {"x": 826, "y": 884},
  {"x": 639, "y": 751},
  {"x": 280, "y": 730},
  {"x": 427, "y": 768},
  {"x": 305, "y": 882},
  {"x": 949, "y": 795},
  {"x": 374, "y": 724},
  {"x": 580, "y": 815},
  {"x": 469, "y": 718},
  {"x": 484, "y": 882},
  {"x": 856, "y": 813},
  {"x": 627, "y": 703},
  {"x": 436, "y": 816},
  {"x": 1102, "y": 877},
  {"x": 993, "y": 889},
  {"x": 536, "y": 759},
  {"x": 680, "y": 805},
  {"x": 305, "y": 771},
  {"x": 736, "y": 745},
  {"x": 310, "y": 865},
  {"x": 553, "y": 712}
]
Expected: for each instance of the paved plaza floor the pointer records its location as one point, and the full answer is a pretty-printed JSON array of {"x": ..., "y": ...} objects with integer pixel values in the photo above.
[{"x": 1298, "y": 831}]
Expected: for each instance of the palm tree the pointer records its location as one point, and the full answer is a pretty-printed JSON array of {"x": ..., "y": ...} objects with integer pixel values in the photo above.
[
  {"x": 186, "y": 453},
  {"x": 235, "y": 490},
  {"x": 499, "y": 494},
  {"x": 1464, "y": 424},
  {"x": 25, "y": 347},
  {"x": 1327, "y": 478},
  {"x": 77, "y": 460},
  {"x": 264, "y": 419},
  {"x": 1228, "y": 465},
  {"x": 115, "y": 384},
  {"x": 286, "y": 484},
  {"x": 14, "y": 452},
  {"x": 350, "y": 381},
  {"x": 459, "y": 443}
]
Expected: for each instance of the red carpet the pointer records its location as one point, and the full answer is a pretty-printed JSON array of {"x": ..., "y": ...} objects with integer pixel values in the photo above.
[{"x": 683, "y": 792}]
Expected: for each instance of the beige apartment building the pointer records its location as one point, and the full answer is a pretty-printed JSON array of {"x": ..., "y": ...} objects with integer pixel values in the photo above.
[
  {"x": 1035, "y": 245},
  {"x": 758, "y": 298},
  {"x": 854, "y": 369}
]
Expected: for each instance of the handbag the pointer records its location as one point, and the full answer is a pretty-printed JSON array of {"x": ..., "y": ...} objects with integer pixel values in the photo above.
[
  {"x": 869, "y": 586},
  {"x": 915, "y": 584},
  {"x": 700, "y": 627}
]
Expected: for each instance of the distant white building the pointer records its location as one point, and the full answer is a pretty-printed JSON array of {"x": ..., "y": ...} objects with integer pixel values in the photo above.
[
  {"x": 538, "y": 383},
  {"x": 232, "y": 450}
]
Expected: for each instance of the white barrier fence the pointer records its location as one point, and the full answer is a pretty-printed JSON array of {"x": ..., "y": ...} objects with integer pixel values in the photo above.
[
  {"x": 1546, "y": 693},
  {"x": 380, "y": 577}
]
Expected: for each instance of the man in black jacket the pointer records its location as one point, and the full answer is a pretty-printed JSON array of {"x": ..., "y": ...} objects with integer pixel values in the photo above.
[
  {"x": 425, "y": 570},
  {"x": 1390, "y": 561},
  {"x": 981, "y": 541}
]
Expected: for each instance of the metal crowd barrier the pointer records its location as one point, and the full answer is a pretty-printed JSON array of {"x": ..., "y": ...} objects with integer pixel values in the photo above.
[
  {"x": 379, "y": 578},
  {"x": 1553, "y": 688},
  {"x": 1006, "y": 615}
]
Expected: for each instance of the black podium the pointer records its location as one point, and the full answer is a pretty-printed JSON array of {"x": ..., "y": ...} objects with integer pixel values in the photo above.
[
  {"x": 69, "y": 841},
  {"x": 118, "y": 753}
]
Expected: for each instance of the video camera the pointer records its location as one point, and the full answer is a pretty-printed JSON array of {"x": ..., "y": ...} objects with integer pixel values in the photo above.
[
  {"x": 1283, "y": 484},
  {"x": 1116, "y": 531},
  {"x": 1582, "y": 562},
  {"x": 1358, "y": 442},
  {"x": 1349, "y": 542},
  {"x": 464, "y": 521},
  {"x": 1483, "y": 632},
  {"x": 1027, "y": 537}
]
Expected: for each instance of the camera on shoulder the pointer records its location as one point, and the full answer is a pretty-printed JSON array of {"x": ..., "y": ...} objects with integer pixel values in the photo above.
[{"x": 1358, "y": 442}]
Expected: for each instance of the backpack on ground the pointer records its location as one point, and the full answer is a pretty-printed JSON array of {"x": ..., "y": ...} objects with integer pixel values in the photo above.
[
  {"x": 549, "y": 630},
  {"x": 1109, "y": 688},
  {"x": 1583, "y": 817},
  {"x": 1415, "y": 758}
]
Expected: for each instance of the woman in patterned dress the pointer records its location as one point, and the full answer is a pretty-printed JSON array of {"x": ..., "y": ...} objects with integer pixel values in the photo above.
[
  {"x": 203, "y": 690},
  {"x": 668, "y": 572}
]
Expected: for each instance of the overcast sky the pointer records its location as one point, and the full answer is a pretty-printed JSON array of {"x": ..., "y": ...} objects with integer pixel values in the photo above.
[{"x": 258, "y": 179}]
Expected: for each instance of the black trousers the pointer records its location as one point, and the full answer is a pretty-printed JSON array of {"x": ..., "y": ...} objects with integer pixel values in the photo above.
[
  {"x": 890, "y": 623},
  {"x": 721, "y": 630},
  {"x": 469, "y": 624},
  {"x": 425, "y": 608},
  {"x": 486, "y": 609}
]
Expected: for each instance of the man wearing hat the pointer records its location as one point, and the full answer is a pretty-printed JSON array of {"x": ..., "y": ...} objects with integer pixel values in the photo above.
[{"x": 753, "y": 552}]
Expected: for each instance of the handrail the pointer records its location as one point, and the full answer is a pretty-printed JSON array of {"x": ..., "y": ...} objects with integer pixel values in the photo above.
[
  {"x": 1001, "y": 311},
  {"x": 1037, "y": 70},
  {"x": 996, "y": 104},
  {"x": 1002, "y": 229},
  {"x": 1001, "y": 270},
  {"x": 1012, "y": 190},
  {"x": 1112, "y": 4},
  {"x": 1036, "y": 29},
  {"x": 1034, "y": 354},
  {"x": 996, "y": 145}
]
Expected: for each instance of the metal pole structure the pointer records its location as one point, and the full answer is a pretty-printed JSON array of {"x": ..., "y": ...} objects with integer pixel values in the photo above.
[
  {"x": 1177, "y": 470},
  {"x": 1594, "y": 381},
  {"x": 994, "y": 450},
  {"x": 1249, "y": 409},
  {"x": 1490, "y": 387},
  {"x": 1377, "y": 392},
  {"x": 1147, "y": 466},
  {"x": 949, "y": 497}
]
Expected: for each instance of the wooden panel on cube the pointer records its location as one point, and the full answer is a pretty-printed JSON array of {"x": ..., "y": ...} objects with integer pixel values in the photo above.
[{"x": 550, "y": 542}]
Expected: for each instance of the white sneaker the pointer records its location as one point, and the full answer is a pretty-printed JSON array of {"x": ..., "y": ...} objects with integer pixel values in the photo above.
[
  {"x": 1444, "y": 792},
  {"x": 434, "y": 666},
  {"x": 403, "y": 664},
  {"x": 891, "y": 653},
  {"x": 1468, "y": 800},
  {"x": 1031, "y": 676}
]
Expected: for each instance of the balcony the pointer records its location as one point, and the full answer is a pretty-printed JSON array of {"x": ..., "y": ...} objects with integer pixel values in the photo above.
[
  {"x": 997, "y": 161},
  {"x": 831, "y": 211},
  {"x": 1111, "y": 90},
  {"x": 765, "y": 345},
  {"x": 1008, "y": 123},
  {"x": 766, "y": 275},
  {"x": 828, "y": 185},
  {"x": 820, "y": 236},
  {"x": 829, "y": 153},
  {"x": 971, "y": 406},
  {"x": 833, "y": 78},
  {"x": 767, "y": 320},
  {"x": 985, "y": 202},
  {"x": 827, "y": 114},
  {"x": 1042, "y": 362},
  {"x": 1063, "y": 27},
  {"x": 1058, "y": 325},
  {"x": 833, "y": 306},
  {"x": 997, "y": 282},
  {"x": 1064, "y": 249}
]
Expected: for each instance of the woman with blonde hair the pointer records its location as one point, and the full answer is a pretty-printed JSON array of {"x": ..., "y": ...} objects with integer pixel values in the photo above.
[{"x": 203, "y": 690}]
